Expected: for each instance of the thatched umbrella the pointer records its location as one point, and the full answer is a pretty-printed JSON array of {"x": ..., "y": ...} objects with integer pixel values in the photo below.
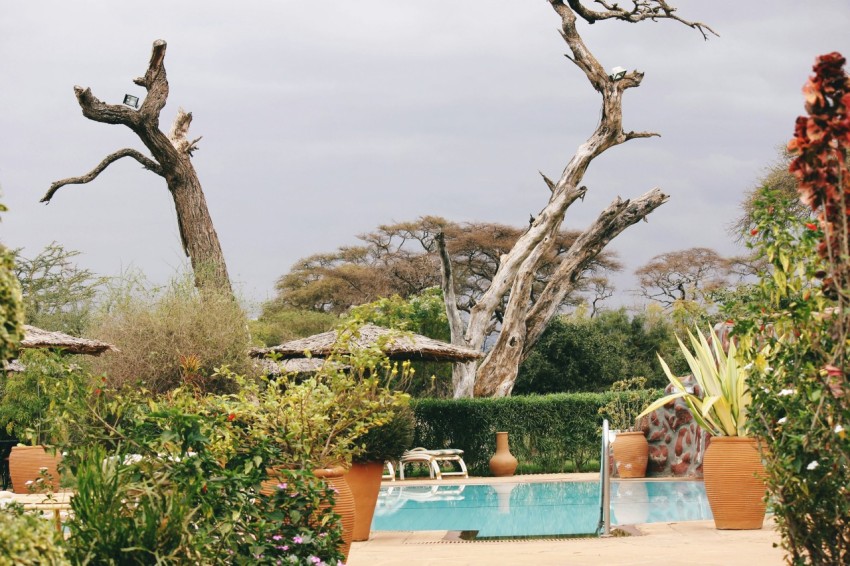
[
  {"x": 398, "y": 346},
  {"x": 38, "y": 338},
  {"x": 299, "y": 366}
]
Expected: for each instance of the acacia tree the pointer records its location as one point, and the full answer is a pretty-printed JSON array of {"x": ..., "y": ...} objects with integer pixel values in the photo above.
[
  {"x": 171, "y": 160},
  {"x": 400, "y": 259},
  {"x": 683, "y": 275},
  {"x": 524, "y": 319}
]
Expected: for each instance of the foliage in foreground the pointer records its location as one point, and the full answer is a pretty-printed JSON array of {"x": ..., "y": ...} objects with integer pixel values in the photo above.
[
  {"x": 795, "y": 331},
  {"x": 11, "y": 308},
  {"x": 26, "y": 539}
]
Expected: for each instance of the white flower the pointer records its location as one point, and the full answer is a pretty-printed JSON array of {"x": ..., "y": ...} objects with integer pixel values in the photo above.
[
  {"x": 749, "y": 366},
  {"x": 786, "y": 392},
  {"x": 782, "y": 420},
  {"x": 812, "y": 465},
  {"x": 28, "y": 482},
  {"x": 838, "y": 429}
]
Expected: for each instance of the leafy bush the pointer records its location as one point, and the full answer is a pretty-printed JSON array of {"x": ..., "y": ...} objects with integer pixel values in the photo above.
[
  {"x": 793, "y": 330},
  {"x": 548, "y": 433},
  {"x": 32, "y": 401},
  {"x": 389, "y": 440},
  {"x": 581, "y": 354},
  {"x": 11, "y": 306},
  {"x": 27, "y": 539},
  {"x": 177, "y": 481},
  {"x": 158, "y": 330},
  {"x": 275, "y": 326}
]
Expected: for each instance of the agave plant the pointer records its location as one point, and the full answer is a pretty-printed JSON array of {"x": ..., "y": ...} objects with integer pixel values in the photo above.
[{"x": 723, "y": 409}]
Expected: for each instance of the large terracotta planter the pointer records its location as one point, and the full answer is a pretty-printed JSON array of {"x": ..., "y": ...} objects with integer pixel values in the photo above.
[
  {"x": 631, "y": 454},
  {"x": 25, "y": 465},
  {"x": 364, "y": 479},
  {"x": 734, "y": 482},
  {"x": 503, "y": 462},
  {"x": 344, "y": 504}
]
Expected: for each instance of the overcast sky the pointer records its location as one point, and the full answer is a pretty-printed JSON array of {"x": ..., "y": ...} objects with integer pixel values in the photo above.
[{"x": 321, "y": 120}]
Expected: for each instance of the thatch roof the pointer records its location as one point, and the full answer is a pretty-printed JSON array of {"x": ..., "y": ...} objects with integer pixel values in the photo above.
[
  {"x": 292, "y": 365},
  {"x": 38, "y": 338},
  {"x": 398, "y": 346},
  {"x": 13, "y": 366}
]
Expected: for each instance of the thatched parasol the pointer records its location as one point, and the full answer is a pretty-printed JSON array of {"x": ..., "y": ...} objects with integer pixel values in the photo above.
[
  {"x": 299, "y": 366},
  {"x": 399, "y": 346},
  {"x": 38, "y": 338}
]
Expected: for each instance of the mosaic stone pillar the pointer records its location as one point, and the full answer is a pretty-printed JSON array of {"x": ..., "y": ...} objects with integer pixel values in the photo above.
[{"x": 676, "y": 442}]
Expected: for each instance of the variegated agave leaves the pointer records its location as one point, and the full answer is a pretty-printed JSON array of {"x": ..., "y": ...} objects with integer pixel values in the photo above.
[{"x": 723, "y": 409}]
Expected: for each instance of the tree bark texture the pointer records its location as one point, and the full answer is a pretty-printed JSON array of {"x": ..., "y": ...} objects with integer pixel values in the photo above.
[
  {"x": 523, "y": 321},
  {"x": 171, "y": 159}
]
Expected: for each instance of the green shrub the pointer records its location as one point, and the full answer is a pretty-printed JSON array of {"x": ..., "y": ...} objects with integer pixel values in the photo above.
[
  {"x": 166, "y": 336},
  {"x": 11, "y": 306},
  {"x": 389, "y": 440},
  {"x": 177, "y": 481},
  {"x": 547, "y": 433},
  {"x": 33, "y": 401},
  {"x": 28, "y": 540}
]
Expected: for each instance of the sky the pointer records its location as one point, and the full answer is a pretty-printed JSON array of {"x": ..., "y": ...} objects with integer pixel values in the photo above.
[{"x": 322, "y": 120}]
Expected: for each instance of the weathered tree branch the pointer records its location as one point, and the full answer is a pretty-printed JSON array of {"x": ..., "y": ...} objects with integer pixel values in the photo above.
[
  {"x": 146, "y": 162},
  {"x": 641, "y": 10},
  {"x": 525, "y": 323}
]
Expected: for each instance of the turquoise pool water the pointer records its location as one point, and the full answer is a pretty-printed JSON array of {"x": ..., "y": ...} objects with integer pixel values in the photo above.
[{"x": 535, "y": 509}]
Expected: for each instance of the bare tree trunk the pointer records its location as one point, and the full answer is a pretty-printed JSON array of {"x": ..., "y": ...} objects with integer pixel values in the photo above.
[
  {"x": 463, "y": 374},
  {"x": 171, "y": 160},
  {"x": 523, "y": 323}
]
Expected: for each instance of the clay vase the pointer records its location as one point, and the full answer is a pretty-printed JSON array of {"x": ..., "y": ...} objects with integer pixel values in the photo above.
[
  {"x": 503, "y": 462},
  {"x": 734, "y": 482},
  {"x": 344, "y": 505},
  {"x": 364, "y": 479},
  {"x": 631, "y": 454},
  {"x": 25, "y": 464}
]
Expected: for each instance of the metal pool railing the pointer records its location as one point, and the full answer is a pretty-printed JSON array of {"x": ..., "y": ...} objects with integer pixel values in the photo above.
[{"x": 604, "y": 528}]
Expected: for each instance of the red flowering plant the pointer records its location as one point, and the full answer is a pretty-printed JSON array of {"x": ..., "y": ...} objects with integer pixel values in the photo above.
[{"x": 794, "y": 327}]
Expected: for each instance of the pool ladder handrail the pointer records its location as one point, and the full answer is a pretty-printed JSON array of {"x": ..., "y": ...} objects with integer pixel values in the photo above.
[{"x": 605, "y": 485}]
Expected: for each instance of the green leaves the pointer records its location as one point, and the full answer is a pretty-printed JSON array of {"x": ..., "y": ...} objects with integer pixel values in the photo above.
[{"x": 723, "y": 409}]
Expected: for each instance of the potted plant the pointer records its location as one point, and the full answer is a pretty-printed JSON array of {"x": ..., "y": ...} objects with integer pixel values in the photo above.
[
  {"x": 732, "y": 465},
  {"x": 630, "y": 448},
  {"x": 387, "y": 441}
]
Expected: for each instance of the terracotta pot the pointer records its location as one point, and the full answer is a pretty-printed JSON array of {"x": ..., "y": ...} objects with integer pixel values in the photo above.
[
  {"x": 364, "y": 479},
  {"x": 734, "y": 482},
  {"x": 631, "y": 454},
  {"x": 503, "y": 462},
  {"x": 343, "y": 506},
  {"x": 25, "y": 464}
]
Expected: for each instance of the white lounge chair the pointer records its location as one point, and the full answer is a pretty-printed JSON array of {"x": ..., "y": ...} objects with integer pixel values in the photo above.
[{"x": 433, "y": 459}]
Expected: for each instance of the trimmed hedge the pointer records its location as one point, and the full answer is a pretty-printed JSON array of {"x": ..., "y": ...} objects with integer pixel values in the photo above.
[{"x": 547, "y": 433}]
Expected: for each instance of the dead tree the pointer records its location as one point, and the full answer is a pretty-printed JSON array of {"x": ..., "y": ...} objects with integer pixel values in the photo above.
[
  {"x": 524, "y": 320},
  {"x": 171, "y": 160}
]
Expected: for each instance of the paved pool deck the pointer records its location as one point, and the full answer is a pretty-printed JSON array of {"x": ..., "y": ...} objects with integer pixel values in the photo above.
[{"x": 668, "y": 544}]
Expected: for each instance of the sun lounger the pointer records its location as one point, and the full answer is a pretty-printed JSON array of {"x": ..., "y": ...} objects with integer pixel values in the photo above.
[
  {"x": 389, "y": 472},
  {"x": 433, "y": 458}
]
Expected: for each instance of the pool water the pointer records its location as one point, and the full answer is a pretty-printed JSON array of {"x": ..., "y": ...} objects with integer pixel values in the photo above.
[{"x": 535, "y": 509}]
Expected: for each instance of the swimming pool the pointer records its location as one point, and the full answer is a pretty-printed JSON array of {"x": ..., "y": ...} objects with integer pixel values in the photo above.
[{"x": 535, "y": 508}]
